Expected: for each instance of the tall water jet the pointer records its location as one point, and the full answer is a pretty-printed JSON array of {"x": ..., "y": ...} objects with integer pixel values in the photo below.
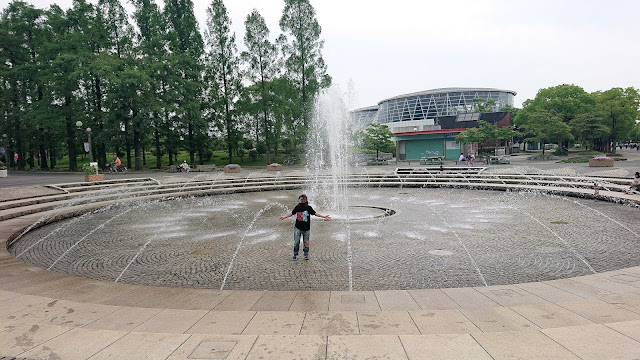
[{"x": 328, "y": 152}]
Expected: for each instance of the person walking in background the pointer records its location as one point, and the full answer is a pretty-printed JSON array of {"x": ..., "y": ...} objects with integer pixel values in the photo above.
[{"x": 302, "y": 227}]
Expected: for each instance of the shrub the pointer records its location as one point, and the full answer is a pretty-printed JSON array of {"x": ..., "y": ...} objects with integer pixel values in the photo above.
[
  {"x": 207, "y": 154},
  {"x": 575, "y": 160},
  {"x": 90, "y": 170},
  {"x": 560, "y": 152},
  {"x": 253, "y": 154}
]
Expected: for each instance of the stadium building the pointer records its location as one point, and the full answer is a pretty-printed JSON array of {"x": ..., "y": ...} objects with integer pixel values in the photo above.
[{"x": 425, "y": 123}]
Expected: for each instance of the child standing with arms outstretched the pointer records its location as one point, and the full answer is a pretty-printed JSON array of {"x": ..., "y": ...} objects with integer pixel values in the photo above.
[{"x": 302, "y": 227}]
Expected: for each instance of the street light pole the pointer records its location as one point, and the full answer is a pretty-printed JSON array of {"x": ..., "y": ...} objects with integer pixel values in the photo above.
[
  {"x": 89, "y": 139},
  {"x": 88, "y": 130}
]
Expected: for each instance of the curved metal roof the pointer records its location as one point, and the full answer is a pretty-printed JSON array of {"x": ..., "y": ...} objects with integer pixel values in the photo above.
[
  {"x": 446, "y": 90},
  {"x": 368, "y": 108}
]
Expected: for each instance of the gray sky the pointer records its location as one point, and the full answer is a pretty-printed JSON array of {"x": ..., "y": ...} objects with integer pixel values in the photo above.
[{"x": 389, "y": 48}]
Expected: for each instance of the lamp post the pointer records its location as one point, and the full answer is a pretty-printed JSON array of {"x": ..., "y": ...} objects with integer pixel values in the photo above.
[
  {"x": 6, "y": 150},
  {"x": 88, "y": 130}
]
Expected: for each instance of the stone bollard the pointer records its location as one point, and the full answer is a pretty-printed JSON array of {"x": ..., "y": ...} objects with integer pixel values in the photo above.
[
  {"x": 601, "y": 161},
  {"x": 232, "y": 168},
  {"x": 274, "y": 167},
  {"x": 95, "y": 177}
]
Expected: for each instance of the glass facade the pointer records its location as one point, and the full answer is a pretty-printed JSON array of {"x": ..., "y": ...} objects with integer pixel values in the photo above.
[
  {"x": 361, "y": 118},
  {"x": 439, "y": 102}
]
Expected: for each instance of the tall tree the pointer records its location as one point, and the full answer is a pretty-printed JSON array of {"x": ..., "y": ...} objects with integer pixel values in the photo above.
[
  {"x": 619, "y": 110},
  {"x": 263, "y": 67},
  {"x": 224, "y": 78},
  {"x": 286, "y": 115},
  {"x": 21, "y": 40},
  {"x": 69, "y": 49},
  {"x": 544, "y": 126},
  {"x": 378, "y": 137},
  {"x": 304, "y": 62},
  {"x": 562, "y": 103},
  {"x": 589, "y": 129},
  {"x": 156, "y": 64},
  {"x": 187, "y": 49}
]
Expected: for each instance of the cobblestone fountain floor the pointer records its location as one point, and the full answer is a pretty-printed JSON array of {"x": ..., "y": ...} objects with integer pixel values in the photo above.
[{"x": 438, "y": 238}]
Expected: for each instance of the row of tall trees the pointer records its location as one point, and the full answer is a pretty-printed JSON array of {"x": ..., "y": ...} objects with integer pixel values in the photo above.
[
  {"x": 567, "y": 114},
  {"x": 151, "y": 81}
]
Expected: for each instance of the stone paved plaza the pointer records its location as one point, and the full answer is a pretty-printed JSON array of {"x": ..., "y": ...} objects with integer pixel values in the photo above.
[{"x": 562, "y": 276}]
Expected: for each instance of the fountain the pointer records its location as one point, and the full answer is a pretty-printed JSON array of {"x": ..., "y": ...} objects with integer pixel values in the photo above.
[{"x": 329, "y": 151}]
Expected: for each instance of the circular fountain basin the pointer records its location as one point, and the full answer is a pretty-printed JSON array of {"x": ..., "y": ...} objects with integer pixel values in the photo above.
[
  {"x": 362, "y": 212},
  {"x": 437, "y": 238}
]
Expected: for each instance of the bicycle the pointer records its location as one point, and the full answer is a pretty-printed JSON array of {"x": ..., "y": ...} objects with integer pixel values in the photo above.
[{"x": 112, "y": 168}]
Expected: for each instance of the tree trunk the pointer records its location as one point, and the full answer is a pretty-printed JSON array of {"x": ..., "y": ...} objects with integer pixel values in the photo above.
[
  {"x": 21, "y": 160},
  {"x": 102, "y": 150},
  {"x": 43, "y": 150},
  {"x": 229, "y": 146},
  {"x": 128, "y": 155},
  {"x": 158, "y": 155},
  {"x": 191, "y": 151},
  {"x": 137, "y": 149},
  {"x": 137, "y": 146},
  {"x": 71, "y": 143},
  {"x": 52, "y": 153},
  {"x": 101, "y": 146}
]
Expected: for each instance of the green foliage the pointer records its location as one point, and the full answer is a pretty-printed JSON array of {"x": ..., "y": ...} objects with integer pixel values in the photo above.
[
  {"x": 150, "y": 86},
  {"x": 263, "y": 67},
  {"x": 617, "y": 110},
  {"x": 89, "y": 170},
  {"x": 586, "y": 160},
  {"x": 262, "y": 148},
  {"x": 485, "y": 132},
  {"x": 480, "y": 105},
  {"x": 223, "y": 76},
  {"x": 560, "y": 152},
  {"x": 599, "y": 119},
  {"x": 378, "y": 137},
  {"x": 207, "y": 154},
  {"x": 575, "y": 160},
  {"x": 304, "y": 63},
  {"x": 253, "y": 154},
  {"x": 544, "y": 126}
]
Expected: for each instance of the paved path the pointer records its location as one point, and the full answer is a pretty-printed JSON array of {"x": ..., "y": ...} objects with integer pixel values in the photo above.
[{"x": 47, "y": 315}]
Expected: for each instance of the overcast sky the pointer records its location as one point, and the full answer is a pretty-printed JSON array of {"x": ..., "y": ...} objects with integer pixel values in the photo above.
[{"x": 394, "y": 47}]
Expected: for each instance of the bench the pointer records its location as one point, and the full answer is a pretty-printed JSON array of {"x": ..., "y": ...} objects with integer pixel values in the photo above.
[
  {"x": 378, "y": 161},
  {"x": 498, "y": 160},
  {"x": 431, "y": 160},
  {"x": 203, "y": 168}
]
